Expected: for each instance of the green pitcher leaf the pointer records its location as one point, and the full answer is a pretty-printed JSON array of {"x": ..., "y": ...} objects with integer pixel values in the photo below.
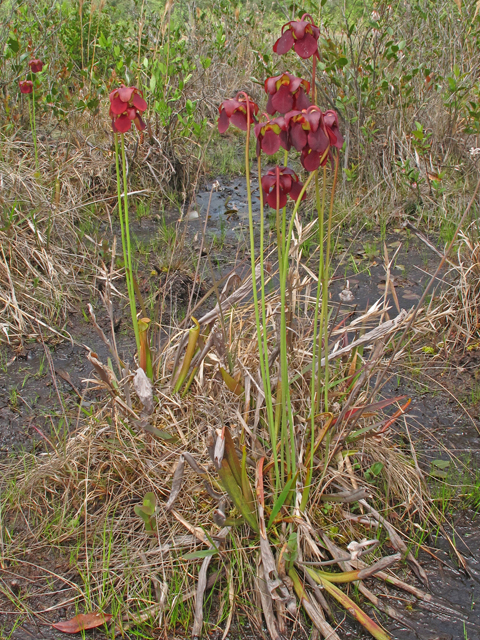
[
  {"x": 246, "y": 488},
  {"x": 191, "y": 346},
  {"x": 234, "y": 386},
  {"x": 232, "y": 458},
  {"x": 234, "y": 491}
]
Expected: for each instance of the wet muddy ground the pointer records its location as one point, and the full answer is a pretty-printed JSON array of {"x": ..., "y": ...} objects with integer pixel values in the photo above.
[{"x": 41, "y": 383}]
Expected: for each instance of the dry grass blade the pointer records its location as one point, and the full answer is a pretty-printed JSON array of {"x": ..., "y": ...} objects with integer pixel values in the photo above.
[
  {"x": 267, "y": 604},
  {"x": 201, "y": 586},
  {"x": 397, "y": 542}
]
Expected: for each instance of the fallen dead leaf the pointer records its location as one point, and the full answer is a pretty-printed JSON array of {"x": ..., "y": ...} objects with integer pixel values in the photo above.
[{"x": 82, "y": 621}]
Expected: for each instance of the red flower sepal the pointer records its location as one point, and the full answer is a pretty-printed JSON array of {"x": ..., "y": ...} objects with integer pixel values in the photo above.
[
  {"x": 302, "y": 35},
  {"x": 271, "y": 135},
  {"x": 288, "y": 184},
  {"x": 285, "y": 93},
  {"x": 235, "y": 112},
  {"x": 126, "y": 106}
]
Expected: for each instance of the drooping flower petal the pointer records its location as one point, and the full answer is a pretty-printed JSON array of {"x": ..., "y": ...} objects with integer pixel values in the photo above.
[
  {"x": 282, "y": 101},
  {"x": 318, "y": 140},
  {"x": 270, "y": 143},
  {"x": 139, "y": 123},
  {"x": 239, "y": 119},
  {"x": 270, "y": 108},
  {"x": 285, "y": 140},
  {"x": 223, "y": 121},
  {"x": 306, "y": 46},
  {"x": 294, "y": 82},
  {"x": 257, "y": 129},
  {"x": 301, "y": 100},
  {"x": 125, "y": 93},
  {"x": 123, "y": 123},
  {"x": 296, "y": 189},
  {"x": 330, "y": 119},
  {"x": 298, "y": 136},
  {"x": 314, "y": 117},
  {"x": 284, "y": 43},
  {"x": 310, "y": 159},
  {"x": 269, "y": 180},
  {"x": 272, "y": 199},
  {"x": 138, "y": 102},
  {"x": 285, "y": 182},
  {"x": 117, "y": 106}
]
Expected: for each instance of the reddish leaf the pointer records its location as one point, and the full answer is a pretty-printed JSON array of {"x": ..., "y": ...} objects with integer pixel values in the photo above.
[{"x": 83, "y": 621}]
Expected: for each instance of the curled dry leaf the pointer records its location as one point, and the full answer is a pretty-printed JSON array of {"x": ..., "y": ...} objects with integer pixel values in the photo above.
[
  {"x": 144, "y": 390},
  {"x": 176, "y": 483},
  {"x": 83, "y": 621}
]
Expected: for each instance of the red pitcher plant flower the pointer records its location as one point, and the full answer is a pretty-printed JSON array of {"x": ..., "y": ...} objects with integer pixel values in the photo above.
[
  {"x": 286, "y": 92},
  {"x": 126, "y": 106},
  {"x": 287, "y": 182},
  {"x": 35, "y": 65},
  {"x": 271, "y": 135},
  {"x": 302, "y": 35},
  {"x": 235, "y": 112},
  {"x": 307, "y": 129},
  {"x": 26, "y": 86}
]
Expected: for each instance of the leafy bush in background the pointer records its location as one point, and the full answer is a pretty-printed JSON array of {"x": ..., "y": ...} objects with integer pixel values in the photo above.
[{"x": 403, "y": 75}]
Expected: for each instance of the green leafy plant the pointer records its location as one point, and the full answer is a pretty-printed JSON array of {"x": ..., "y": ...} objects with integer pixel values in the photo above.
[{"x": 146, "y": 511}]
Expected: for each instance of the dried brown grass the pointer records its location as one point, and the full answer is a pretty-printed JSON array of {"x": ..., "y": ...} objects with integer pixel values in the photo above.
[
  {"x": 81, "y": 496},
  {"x": 452, "y": 318}
]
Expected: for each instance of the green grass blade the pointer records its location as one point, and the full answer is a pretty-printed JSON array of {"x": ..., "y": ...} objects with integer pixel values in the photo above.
[{"x": 280, "y": 501}]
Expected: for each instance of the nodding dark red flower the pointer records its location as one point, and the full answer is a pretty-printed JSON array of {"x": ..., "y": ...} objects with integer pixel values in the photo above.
[
  {"x": 311, "y": 159},
  {"x": 288, "y": 183},
  {"x": 307, "y": 129},
  {"x": 300, "y": 34},
  {"x": 286, "y": 92},
  {"x": 126, "y": 106},
  {"x": 26, "y": 86},
  {"x": 330, "y": 119},
  {"x": 271, "y": 135},
  {"x": 35, "y": 65},
  {"x": 235, "y": 111}
]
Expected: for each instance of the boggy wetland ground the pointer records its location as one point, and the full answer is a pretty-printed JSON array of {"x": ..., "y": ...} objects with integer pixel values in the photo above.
[
  {"x": 218, "y": 419},
  {"x": 46, "y": 390}
]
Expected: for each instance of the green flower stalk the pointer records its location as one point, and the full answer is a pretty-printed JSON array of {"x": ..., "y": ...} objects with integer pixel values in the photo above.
[{"x": 126, "y": 106}]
